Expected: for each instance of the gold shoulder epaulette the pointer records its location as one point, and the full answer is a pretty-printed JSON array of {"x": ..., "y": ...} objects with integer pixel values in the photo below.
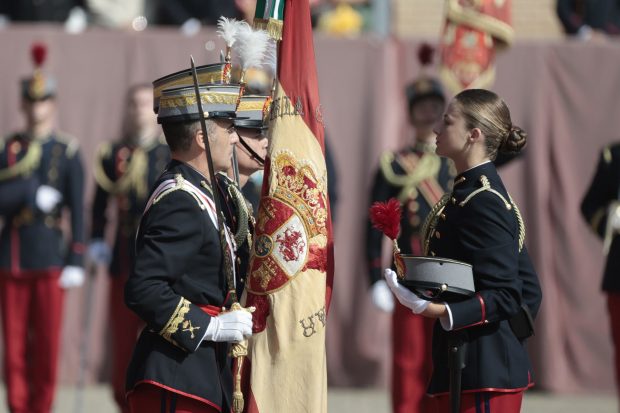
[
  {"x": 509, "y": 204},
  {"x": 72, "y": 148},
  {"x": 385, "y": 164},
  {"x": 72, "y": 143},
  {"x": 134, "y": 178},
  {"x": 416, "y": 168},
  {"x": 607, "y": 155},
  {"x": 486, "y": 186},
  {"x": 26, "y": 165},
  {"x": 104, "y": 151},
  {"x": 180, "y": 184}
]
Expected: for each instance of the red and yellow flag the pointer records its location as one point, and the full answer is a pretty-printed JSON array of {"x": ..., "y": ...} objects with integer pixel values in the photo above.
[{"x": 291, "y": 267}]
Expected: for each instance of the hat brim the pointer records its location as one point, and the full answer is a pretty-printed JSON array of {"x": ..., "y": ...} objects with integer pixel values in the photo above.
[
  {"x": 195, "y": 117},
  {"x": 29, "y": 98},
  {"x": 250, "y": 124},
  {"x": 429, "y": 95}
]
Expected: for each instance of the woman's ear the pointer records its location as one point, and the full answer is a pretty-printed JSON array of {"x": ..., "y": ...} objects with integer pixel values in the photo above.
[{"x": 475, "y": 134}]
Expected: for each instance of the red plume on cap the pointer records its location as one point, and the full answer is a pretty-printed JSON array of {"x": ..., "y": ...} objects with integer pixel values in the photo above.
[
  {"x": 385, "y": 216},
  {"x": 39, "y": 53},
  {"x": 425, "y": 54}
]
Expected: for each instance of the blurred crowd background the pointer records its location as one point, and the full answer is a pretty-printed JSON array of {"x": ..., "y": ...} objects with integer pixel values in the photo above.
[{"x": 530, "y": 18}]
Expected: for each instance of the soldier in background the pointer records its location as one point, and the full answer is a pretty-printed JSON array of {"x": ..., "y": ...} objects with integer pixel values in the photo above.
[
  {"x": 600, "y": 209},
  {"x": 125, "y": 170},
  {"x": 251, "y": 126},
  {"x": 41, "y": 173},
  {"x": 418, "y": 178}
]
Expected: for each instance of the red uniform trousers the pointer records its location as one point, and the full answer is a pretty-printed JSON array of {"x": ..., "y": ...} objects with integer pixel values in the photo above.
[
  {"x": 613, "y": 307},
  {"x": 148, "y": 398},
  {"x": 480, "y": 402},
  {"x": 31, "y": 323},
  {"x": 412, "y": 363},
  {"x": 125, "y": 326}
]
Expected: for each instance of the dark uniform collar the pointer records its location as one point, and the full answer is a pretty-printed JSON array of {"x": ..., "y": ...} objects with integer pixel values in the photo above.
[
  {"x": 471, "y": 177},
  {"x": 26, "y": 137},
  {"x": 190, "y": 174}
]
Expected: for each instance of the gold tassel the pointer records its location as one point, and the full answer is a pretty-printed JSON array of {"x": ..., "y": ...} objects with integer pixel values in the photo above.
[
  {"x": 238, "y": 402},
  {"x": 238, "y": 351}
]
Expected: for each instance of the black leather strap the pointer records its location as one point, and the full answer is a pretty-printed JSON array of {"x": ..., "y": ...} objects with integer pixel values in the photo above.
[{"x": 251, "y": 151}]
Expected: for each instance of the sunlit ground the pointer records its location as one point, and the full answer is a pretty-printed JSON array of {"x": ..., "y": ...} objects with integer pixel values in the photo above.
[{"x": 97, "y": 399}]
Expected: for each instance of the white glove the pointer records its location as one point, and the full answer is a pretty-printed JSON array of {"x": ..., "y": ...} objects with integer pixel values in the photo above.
[
  {"x": 76, "y": 21},
  {"x": 613, "y": 215},
  {"x": 71, "y": 276},
  {"x": 99, "y": 252},
  {"x": 404, "y": 296},
  {"x": 47, "y": 198},
  {"x": 191, "y": 27},
  {"x": 232, "y": 326},
  {"x": 382, "y": 297}
]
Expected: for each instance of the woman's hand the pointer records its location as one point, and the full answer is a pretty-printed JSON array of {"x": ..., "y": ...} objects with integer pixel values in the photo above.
[
  {"x": 403, "y": 295},
  {"x": 412, "y": 301}
]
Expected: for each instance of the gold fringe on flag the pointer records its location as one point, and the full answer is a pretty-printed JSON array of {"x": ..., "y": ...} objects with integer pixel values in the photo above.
[{"x": 271, "y": 26}]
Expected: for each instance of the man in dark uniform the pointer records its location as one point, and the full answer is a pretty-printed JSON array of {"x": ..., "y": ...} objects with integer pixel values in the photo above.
[
  {"x": 183, "y": 274},
  {"x": 125, "y": 171},
  {"x": 41, "y": 173},
  {"x": 601, "y": 209},
  {"x": 417, "y": 178}
]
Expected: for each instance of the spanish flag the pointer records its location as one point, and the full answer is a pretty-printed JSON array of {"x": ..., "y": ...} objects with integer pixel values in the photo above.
[{"x": 291, "y": 266}]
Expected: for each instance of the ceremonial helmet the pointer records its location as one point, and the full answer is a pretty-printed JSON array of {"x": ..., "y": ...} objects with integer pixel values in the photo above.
[
  {"x": 424, "y": 86},
  {"x": 39, "y": 85}
]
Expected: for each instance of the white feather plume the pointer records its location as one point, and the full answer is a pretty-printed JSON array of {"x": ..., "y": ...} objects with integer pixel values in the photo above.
[
  {"x": 251, "y": 47},
  {"x": 270, "y": 62},
  {"x": 229, "y": 28}
]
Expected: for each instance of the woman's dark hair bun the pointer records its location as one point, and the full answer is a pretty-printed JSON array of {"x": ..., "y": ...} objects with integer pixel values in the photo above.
[{"x": 515, "y": 140}]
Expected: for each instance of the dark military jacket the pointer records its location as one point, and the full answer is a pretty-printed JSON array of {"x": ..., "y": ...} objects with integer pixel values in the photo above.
[
  {"x": 31, "y": 240},
  {"x": 126, "y": 173},
  {"x": 179, "y": 266},
  {"x": 418, "y": 180},
  {"x": 480, "y": 225},
  {"x": 605, "y": 189}
]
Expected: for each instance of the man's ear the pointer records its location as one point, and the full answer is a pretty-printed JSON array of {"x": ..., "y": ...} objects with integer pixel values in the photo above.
[{"x": 199, "y": 140}]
